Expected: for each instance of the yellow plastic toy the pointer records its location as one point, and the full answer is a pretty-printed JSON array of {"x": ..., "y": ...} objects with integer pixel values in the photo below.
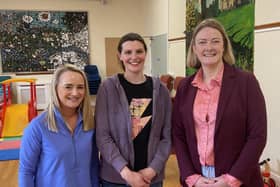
[{"x": 15, "y": 117}]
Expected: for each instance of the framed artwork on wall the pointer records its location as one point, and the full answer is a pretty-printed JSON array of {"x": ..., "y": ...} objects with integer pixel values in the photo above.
[{"x": 39, "y": 41}]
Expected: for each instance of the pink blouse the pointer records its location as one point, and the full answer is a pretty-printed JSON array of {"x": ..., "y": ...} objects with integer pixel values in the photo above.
[{"x": 204, "y": 113}]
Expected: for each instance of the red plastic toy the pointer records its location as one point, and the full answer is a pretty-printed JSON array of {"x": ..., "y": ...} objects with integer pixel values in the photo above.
[
  {"x": 15, "y": 117},
  {"x": 267, "y": 180}
]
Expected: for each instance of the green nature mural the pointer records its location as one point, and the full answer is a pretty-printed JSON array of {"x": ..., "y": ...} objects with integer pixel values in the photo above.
[{"x": 238, "y": 18}]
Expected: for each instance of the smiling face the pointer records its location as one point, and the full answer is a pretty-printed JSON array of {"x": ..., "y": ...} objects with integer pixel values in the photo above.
[
  {"x": 133, "y": 56},
  {"x": 70, "y": 90},
  {"x": 209, "y": 46}
]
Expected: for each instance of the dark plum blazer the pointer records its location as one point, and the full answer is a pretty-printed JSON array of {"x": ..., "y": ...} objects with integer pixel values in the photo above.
[{"x": 240, "y": 131}]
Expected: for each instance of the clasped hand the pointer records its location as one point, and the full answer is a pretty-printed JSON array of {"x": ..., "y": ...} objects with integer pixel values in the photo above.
[
  {"x": 141, "y": 178},
  {"x": 211, "y": 182}
]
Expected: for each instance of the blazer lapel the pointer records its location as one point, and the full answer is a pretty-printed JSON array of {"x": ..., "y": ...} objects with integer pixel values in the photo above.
[
  {"x": 187, "y": 106},
  {"x": 228, "y": 84}
]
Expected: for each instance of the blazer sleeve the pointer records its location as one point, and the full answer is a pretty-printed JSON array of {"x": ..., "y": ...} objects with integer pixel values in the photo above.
[
  {"x": 105, "y": 143},
  {"x": 256, "y": 131},
  {"x": 179, "y": 138}
]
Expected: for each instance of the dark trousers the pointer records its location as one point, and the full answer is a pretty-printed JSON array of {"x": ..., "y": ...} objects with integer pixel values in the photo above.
[{"x": 109, "y": 184}]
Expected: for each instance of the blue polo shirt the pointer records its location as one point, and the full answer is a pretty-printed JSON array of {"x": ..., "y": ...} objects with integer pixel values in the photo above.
[{"x": 58, "y": 159}]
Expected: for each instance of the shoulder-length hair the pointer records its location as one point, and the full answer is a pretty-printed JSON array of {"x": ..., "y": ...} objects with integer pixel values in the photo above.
[
  {"x": 85, "y": 107},
  {"x": 228, "y": 57}
]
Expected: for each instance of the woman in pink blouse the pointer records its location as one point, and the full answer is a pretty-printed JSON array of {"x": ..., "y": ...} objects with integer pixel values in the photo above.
[{"x": 219, "y": 116}]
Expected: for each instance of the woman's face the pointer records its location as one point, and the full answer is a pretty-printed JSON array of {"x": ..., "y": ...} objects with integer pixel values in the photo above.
[
  {"x": 209, "y": 46},
  {"x": 70, "y": 90},
  {"x": 133, "y": 56}
]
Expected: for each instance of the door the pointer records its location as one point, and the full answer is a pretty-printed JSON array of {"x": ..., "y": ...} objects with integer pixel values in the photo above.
[
  {"x": 112, "y": 64},
  {"x": 159, "y": 55}
]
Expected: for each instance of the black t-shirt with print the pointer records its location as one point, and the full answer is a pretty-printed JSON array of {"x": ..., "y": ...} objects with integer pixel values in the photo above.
[{"x": 139, "y": 97}]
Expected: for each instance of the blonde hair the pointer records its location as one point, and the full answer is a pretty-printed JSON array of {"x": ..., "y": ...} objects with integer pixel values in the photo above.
[
  {"x": 85, "y": 107},
  {"x": 228, "y": 56}
]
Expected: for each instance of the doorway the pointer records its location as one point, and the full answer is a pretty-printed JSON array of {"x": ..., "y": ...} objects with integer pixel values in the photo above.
[{"x": 159, "y": 55}]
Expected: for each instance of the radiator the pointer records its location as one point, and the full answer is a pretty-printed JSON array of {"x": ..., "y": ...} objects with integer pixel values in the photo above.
[{"x": 42, "y": 92}]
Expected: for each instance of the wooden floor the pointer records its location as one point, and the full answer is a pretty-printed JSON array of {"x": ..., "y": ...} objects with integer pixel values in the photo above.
[
  {"x": 9, "y": 172},
  {"x": 171, "y": 173}
]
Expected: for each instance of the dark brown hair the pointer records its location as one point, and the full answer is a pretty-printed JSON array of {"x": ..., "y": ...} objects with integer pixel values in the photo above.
[{"x": 130, "y": 37}]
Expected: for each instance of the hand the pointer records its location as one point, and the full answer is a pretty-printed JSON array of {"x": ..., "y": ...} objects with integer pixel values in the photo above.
[
  {"x": 204, "y": 182},
  {"x": 148, "y": 174},
  {"x": 134, "y": 179},
  {"x": 220, "y": 182}
]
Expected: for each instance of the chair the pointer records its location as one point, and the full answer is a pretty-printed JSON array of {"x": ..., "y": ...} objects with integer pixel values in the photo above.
[
  {"x": 177, "y": 82},
  {"x": 167, "y": 80}
]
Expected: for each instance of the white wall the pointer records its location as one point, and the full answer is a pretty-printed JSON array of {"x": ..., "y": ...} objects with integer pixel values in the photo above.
[
  {"x": 176, "y": 28},
  {"x": 267, "y": 68},
  {"x": 267, "y": 71},
  {"x": 176, "y": 58},
  {"x": 155, "y": 15},
  {"x": 266, "y": 11}
]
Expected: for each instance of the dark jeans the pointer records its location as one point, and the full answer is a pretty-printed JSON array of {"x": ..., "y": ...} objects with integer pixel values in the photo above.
[{"x": 109, "y": 184}]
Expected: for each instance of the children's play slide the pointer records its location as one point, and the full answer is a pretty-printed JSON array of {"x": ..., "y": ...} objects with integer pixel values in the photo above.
[{"x": 15, "y": 117}]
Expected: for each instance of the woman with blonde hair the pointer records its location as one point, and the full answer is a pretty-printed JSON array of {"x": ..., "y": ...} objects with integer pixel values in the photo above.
[
  {"x": 219, "y": 116},
  {"x": 58, "y": 147}
]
